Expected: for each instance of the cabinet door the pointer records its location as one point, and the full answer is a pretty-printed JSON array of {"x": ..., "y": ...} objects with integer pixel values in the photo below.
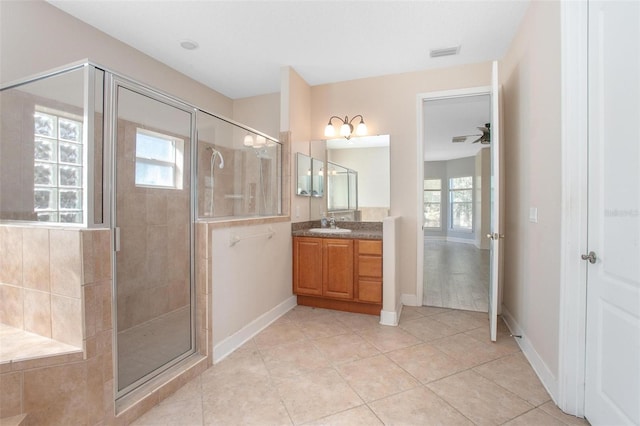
[
  {"x": 307, "y": 266},
  {"x": 338, "y": 268}
]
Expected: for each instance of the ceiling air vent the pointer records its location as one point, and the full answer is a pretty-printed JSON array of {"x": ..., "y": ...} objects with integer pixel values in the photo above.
[
  {"x": 447, "y": 51},
  {"x": 458, "y": 139}
]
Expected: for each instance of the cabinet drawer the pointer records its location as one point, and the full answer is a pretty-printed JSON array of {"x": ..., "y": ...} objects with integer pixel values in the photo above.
[
  {"x": 370, "y": 291},
  {"x": 370, "y": 247},
  {"x": 370, "y": 266}
]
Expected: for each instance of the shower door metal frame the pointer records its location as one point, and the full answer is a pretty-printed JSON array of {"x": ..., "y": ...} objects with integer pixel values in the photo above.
[{"x": 112, "y": 83}]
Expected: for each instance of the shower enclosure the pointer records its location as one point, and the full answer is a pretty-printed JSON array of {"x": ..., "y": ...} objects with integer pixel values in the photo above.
[{"x": 85, "y": 147}]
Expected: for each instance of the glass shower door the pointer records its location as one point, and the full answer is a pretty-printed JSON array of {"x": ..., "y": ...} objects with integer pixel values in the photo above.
[{"x": 153, "y": 225}]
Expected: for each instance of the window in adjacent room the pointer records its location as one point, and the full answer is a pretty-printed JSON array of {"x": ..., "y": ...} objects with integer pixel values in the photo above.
[
  {"x": 58, "y": 164},
  {"x": 159, "y": 160},
  {"x": 461, "y": 203},
  {"x": 432, "y": 203}
]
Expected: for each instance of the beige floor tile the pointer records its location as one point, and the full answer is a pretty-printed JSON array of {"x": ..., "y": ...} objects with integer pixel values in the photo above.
[
  {"x": 427, "y": 329},
  {"x": 470, "y": 350},
  {"x": 377, "y": 377},
  {"x": 514, "y": 373},
  {"x": 324, "y": 326},
  {"x": 251, "y": 404},
  {"x": 293, "y": 359},
  {"x": 307, "y": 313},
  {"x": 359, "y": 416},
  {"x": 357, "y": 322},
  {"x": 552, "y": 409},
  {"x": 236, "y": 370},
  {"x": 418, "y": 406},
  {"x": 316, "y": 395},
  {"x": 345, "y": 348},
  {"x": 409, "y": 314},
  {"x": 479, "y": 399},
  {"x": 387, "y": 339},
  {"x": 503, "y": 339},
  {"x": 191, "y": 390},
  {"x": 277, "y": 334},
  {"x": 430, "y": 310},
  {"x": 535, "y": 417},
  {"x": 426, "y": 363},
  {"x": 186, "y": 412},
  {"x": 462, "y": 320}
]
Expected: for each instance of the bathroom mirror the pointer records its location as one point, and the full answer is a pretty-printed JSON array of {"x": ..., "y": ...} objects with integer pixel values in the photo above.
[
  {"x": 317, "y": 178},
  {"x": 342, "y": 189},
  {"x": 369, "y": 157},
  {"x": 303, "y": 171}
]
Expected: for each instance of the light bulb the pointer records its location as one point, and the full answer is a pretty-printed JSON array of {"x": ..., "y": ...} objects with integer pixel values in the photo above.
[
  {"x": 361, "y": 130},
  {"x": 248, "y": 140},
  {"x": 260, "y": 140},
  {"x": 345, "y": 130},
  {"x": 330, "y": 131}
]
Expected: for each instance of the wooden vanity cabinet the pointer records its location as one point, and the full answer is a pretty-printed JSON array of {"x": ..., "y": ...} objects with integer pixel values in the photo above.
[
  {"x": 338, "y": 273},
  {"x": 368, "y": 271}
]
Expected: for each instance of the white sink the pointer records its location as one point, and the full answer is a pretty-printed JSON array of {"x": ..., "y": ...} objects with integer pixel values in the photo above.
[{"x": 330, "y": 230}]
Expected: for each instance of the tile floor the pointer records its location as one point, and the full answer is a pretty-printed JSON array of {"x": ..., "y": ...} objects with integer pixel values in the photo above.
[
  {"x": 322, "y": 367},
  {"x": 456, "y": 275}
]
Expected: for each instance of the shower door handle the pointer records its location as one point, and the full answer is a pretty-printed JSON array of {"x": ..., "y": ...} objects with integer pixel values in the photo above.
[{"x": 116, "y": 239}]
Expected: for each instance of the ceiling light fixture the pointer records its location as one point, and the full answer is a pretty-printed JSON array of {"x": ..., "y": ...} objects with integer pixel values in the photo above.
[
  {"x": 189, "y": 44},
  {"x": 346, "y": 128}
]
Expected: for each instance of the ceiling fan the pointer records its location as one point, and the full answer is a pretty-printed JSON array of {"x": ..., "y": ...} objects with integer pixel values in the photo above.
[{"x": 484, "y": 138}]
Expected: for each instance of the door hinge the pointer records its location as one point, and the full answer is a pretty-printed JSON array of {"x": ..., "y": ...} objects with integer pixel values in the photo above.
[{"x": 591, "y": 257}]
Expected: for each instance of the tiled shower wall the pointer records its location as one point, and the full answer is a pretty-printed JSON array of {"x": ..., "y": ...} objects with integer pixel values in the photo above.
[
  {"x": 75, "y": 267},
  {"x": 41, "y": 282}
]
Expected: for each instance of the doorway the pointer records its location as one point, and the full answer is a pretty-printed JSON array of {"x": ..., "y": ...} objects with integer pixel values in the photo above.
[
  {"x": 152, "y": 215},
  {"x": 457, "y": 170}
]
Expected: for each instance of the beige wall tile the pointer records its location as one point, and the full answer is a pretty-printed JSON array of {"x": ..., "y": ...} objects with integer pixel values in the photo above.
[
  {"x": 11, "y": 306},
  {"x": 156, "y": 208},
  {"x": 88, "y": 257},
  {"x": 66, "y": 320},
  {"x": 65, "y": 262},
  {"x": 35, "y": 258},
  {"x": 11, "y": 395},
  {"x": 102, "y": 254},
  {"x": 95, "y": 386},
  {"x": 56, "y": 395},
  {"x": 11, "y": 255},
  {"x": 37, "y": 312}
]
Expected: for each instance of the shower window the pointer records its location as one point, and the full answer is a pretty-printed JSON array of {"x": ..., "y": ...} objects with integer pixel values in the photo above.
[
  {"x": 57, "y": 167},
  {"x": 159, "y": 160}
]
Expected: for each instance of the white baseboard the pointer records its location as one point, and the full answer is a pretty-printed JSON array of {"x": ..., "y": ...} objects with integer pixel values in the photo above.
[
  {"x": 549, "y": 381},
  {"x": 450, "y": 239},
  {"x": 391, "y": 318},
  {"x": 410, "y": 300},
  {"x": 246, "y": 333}
]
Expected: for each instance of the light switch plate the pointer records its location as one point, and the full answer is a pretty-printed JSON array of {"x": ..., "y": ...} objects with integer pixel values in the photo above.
[{"x": 533, "y": 214}]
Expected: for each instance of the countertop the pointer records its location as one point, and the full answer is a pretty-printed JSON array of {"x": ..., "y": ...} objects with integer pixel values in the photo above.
[{"x": 359, "y": 230}]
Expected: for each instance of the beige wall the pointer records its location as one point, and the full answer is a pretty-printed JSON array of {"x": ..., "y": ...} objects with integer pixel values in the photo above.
[
  {"x": 530, "y": 75},
  {"x": 259, "y": 112},
  {"x": 388, "y": 104},
  {"x": 36, "y": 37},
  {"x": 296, "y": 111}
]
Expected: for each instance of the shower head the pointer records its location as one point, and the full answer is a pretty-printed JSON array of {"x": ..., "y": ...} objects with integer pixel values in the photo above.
[{"x": 215, "y": 153}]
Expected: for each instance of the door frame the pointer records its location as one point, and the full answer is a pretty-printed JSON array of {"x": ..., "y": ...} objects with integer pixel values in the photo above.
[
  {"x": 574, "y": 207},
  {"x": 113, "y": 82},
  {"x": 420, "y": 99}
]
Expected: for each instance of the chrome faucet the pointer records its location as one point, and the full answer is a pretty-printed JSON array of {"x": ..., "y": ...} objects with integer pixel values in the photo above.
[{"x": 332, "y": 222}]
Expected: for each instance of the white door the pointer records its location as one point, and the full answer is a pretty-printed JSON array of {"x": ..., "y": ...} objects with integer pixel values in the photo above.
[
  {"x": 612, "y": 389},
  {"x": 496, "y": 228}
]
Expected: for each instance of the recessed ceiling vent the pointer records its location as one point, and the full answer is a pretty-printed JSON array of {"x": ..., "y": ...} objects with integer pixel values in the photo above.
[
  {"x": 447, "y": 51},
  {"x": 458, "y": 139}
]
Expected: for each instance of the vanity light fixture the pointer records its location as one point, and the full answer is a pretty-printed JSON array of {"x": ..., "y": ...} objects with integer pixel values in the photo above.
[
  {"x": 258, "y": 142},
  {"x": 346, "y": 128}
]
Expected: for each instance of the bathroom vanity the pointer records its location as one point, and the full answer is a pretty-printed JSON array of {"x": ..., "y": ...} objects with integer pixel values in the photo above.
[{"x": 339, "y": 270}]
